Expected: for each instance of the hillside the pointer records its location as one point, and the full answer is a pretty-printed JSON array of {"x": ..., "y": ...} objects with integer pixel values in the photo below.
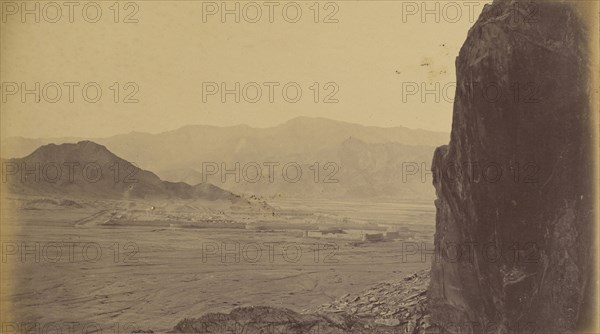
[{"x": 88, "y": 169}]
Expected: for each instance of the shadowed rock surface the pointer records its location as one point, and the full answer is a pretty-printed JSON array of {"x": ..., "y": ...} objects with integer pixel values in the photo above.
[
  {"x": 265, "y": 319},
  {"x": 515, "y": 239}
]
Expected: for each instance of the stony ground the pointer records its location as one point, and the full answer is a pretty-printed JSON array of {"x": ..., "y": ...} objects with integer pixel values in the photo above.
[
  {"x": 394, "y": 303},
  {"x": 395, "y": 306}
]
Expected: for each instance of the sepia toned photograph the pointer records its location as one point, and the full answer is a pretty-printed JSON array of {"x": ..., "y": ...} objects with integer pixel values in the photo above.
[{"x": 299, "y": 166}]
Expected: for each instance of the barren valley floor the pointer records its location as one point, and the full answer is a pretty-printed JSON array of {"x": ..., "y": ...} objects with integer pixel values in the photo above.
[{"x": 55, "y": 270}]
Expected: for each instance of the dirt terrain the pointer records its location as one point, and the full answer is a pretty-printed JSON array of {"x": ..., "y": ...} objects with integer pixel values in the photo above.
[{"x": 108, "y": 264}]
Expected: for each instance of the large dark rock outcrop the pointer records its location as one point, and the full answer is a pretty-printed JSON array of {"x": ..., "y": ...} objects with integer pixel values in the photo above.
[
  {"x": 514, "y": 226},
  {"x": 264, "y": 319}
]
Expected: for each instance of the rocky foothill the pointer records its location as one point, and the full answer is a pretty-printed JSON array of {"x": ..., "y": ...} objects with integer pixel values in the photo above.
[{"x": 395, "y": 306}]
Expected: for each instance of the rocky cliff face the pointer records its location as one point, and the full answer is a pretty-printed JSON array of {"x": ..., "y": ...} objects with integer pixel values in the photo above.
[{"x": 514, "y": 226}]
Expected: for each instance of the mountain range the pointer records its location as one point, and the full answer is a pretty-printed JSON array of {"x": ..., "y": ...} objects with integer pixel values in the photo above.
[{"x": 365, "y": 161}]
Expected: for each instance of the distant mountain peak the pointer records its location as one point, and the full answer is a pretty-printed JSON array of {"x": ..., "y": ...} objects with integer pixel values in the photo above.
[{"x": 109, "y": 177}]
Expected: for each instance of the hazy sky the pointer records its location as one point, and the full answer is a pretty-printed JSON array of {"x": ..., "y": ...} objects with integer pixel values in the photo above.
[{"x": 374, "y": 50}]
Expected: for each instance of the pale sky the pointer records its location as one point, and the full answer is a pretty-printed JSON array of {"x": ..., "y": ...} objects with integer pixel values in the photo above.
[{"x": 370, "y": 54}]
